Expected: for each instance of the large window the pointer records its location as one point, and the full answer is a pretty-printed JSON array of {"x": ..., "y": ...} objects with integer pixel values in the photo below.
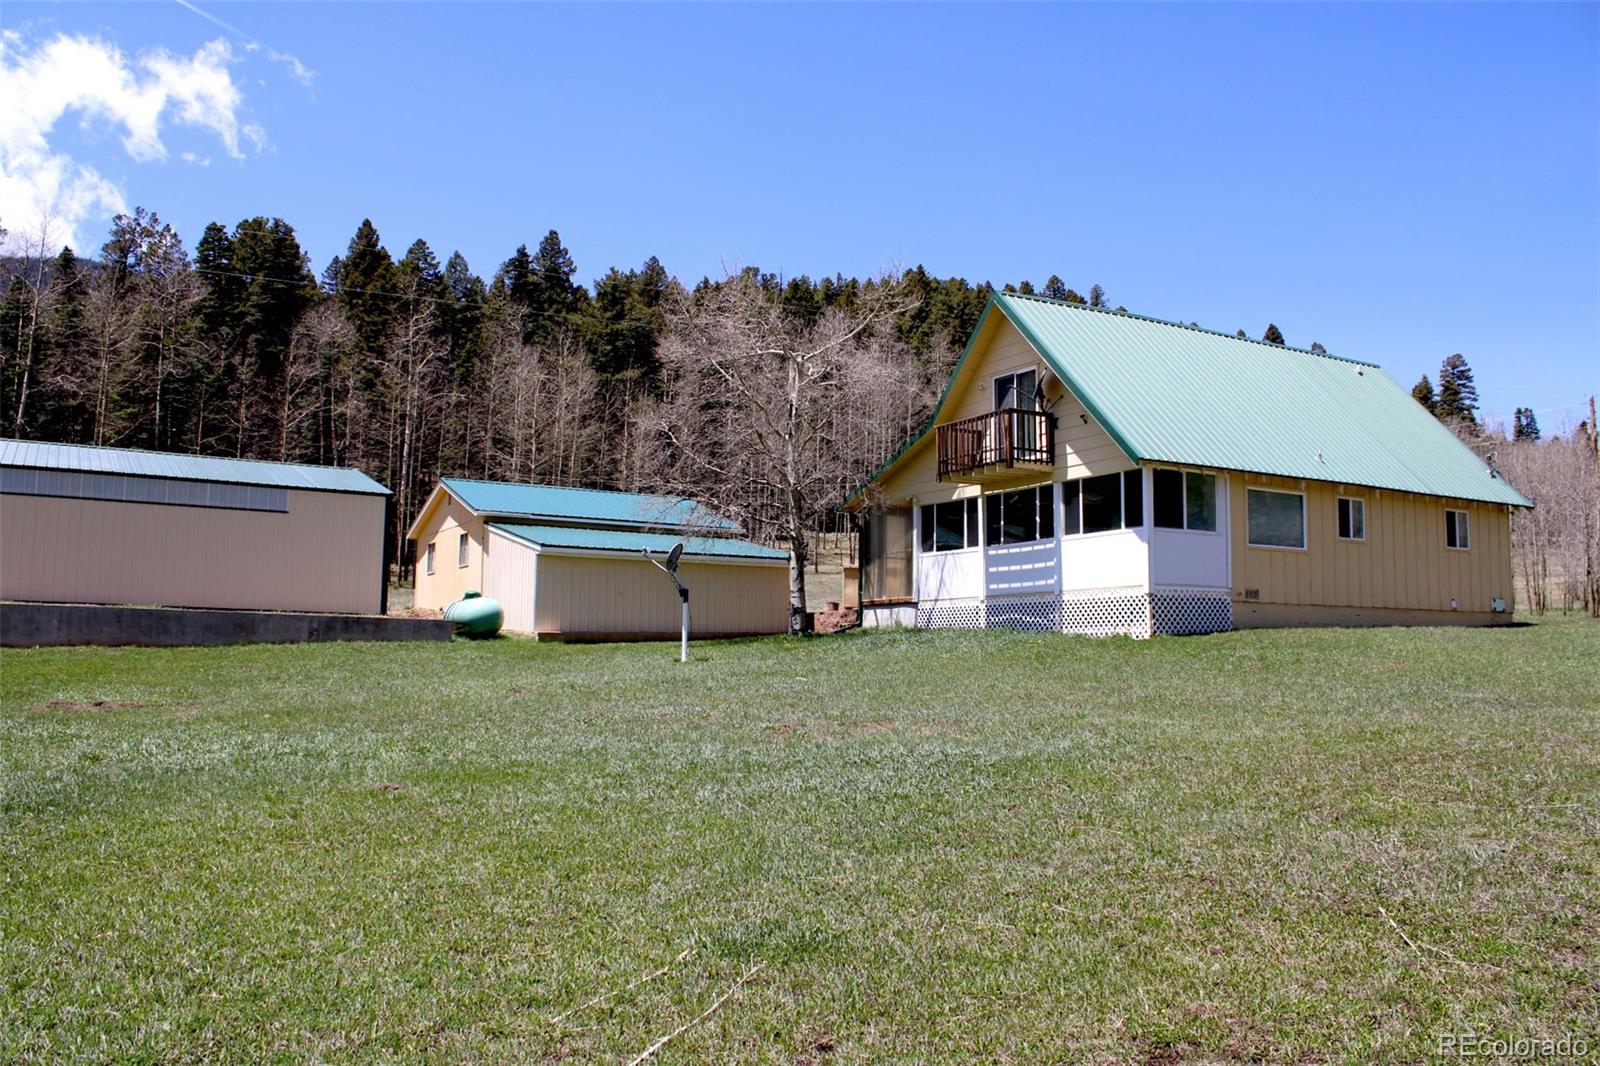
[
  {"x": 948, "y": 527},
  {"x": 1352, "y": 518},
  {"x": 1104, "y": 503},
  {"x": 1455, "y": 530},
  {"x": 1185, "y": 500},
  {"x": 1277, "y": 519},
  {"x": 1020, "y": 516}
]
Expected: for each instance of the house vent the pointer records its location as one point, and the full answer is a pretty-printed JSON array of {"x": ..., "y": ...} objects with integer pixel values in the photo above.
[{"x": 1252, "y": 594}]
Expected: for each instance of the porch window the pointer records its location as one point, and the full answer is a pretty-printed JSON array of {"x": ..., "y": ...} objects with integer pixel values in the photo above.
[
  {"x": 1352, "y": 518},
  {"x": 1102, "y": 504},
  {"x": 1020, "y": 516},
  {"x": 1185, "y": 500},
  {"x": 1455, "y": 530},
  {"x": 950, "y": 526},
  {"x": 1276, "y": 519}
]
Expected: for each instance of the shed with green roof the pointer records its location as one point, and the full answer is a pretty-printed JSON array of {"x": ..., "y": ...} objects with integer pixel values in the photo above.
[
  {"x": 574, "y": 563},
  {"x": 1096, "y": 471}
]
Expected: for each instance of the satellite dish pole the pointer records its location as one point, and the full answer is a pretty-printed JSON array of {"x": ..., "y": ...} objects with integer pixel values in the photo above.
[{"x": 670, "y": 568}]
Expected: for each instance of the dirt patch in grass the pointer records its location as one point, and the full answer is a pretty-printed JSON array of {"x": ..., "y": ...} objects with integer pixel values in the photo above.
[{"x": 95, "y": 705}]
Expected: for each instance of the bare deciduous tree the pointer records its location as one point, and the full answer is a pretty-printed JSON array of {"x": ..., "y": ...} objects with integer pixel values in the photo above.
[{"x": 766, "y": 415}]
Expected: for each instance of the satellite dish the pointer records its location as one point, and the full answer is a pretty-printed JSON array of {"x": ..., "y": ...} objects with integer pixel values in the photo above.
[{"x": 673, "y": 556}]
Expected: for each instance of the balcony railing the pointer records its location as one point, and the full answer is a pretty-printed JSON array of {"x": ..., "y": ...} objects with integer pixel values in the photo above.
[{"x": 994, "y": 443}]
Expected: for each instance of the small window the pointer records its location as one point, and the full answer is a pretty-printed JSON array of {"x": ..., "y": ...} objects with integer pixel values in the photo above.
[
  {"x": 1455, "y": 530},
  {"x": 1185, "y": 500},
  {"x": 1071, "y": 524},
  {"x": 1352, "y": 518},
  {"x": 431, "y": 547},
  {"x": 1102, "y": 503},
  {"x": 461, "y": 551},
  {"x": 950, "y": 526},
  {"x": 1019, "y": 390},
  {"x": 1020, "y": 516},
  {"x": 1133, "y": 499},
  {"x": 1276, "y": 519}
]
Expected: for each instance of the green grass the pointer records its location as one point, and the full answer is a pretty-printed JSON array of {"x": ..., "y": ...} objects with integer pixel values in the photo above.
[{"x": 940, "y": 847}]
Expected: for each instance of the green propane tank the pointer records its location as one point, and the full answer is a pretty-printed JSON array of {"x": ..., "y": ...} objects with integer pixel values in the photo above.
[{"x": 475, "y": 615}]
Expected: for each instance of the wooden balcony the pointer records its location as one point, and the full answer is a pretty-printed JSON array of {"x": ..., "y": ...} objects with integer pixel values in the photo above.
[{"x": 1002, "y": 445}]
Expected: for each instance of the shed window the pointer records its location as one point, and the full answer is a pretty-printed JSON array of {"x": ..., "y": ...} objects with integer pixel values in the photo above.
[
  {"x": 1104, "y": 503},
  {"x": 1455, "y": 530},
  {"x": 431, "y": 547},
  {"x": 1277, "y": 519},
  {"x": 461, "y": 550},
  {"x": 950, "y": 526},
  {"x": 1352, "y": 518},
  {"x": 1020, "y": 516},
  {"x": 1185, "y": 500}
]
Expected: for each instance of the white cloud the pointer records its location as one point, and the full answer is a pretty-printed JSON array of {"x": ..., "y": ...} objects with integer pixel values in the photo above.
[
  {"x": 297, "y": 70},
  {"x": 39, "y": 184}
]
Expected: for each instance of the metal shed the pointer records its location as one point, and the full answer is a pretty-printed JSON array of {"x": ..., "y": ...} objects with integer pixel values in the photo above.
[{"x": 81, "y": 524}]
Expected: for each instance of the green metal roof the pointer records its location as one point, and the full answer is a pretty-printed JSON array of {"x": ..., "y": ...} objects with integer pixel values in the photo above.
[
  {"x": 88, "y": 459},
  {"x": 558, "y": 503},
  {"x": 1166, "y": 392},
  {"x": 632, "y": 543}
]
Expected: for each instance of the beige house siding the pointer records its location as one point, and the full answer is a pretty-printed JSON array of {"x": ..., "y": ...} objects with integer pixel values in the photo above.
[
  {"x": 324, "y": 554},
  {"x": 1082, "y": 448},
  {"x": 584, "y": 595},
  {"x": 1403, "y": 564},
  {"x": 442, "y": 528},
  {"x": 510, "y": 576}
]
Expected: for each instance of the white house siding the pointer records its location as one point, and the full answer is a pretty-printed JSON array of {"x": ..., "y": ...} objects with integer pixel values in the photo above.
[
  {"x": 950, "y": 575},
  {"x": 1192, "y": 559}
]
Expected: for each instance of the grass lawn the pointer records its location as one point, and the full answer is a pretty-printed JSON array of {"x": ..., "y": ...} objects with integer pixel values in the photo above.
[{"x": 1297, "y": 846}]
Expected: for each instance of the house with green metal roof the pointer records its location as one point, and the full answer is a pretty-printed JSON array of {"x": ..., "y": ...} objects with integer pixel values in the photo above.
[
  {"x": 574, "y": 563},
  {"x": 1094, "y": 471}
]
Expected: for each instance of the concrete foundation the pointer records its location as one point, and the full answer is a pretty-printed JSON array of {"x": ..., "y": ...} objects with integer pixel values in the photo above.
[{"x": 32, "y": 625}]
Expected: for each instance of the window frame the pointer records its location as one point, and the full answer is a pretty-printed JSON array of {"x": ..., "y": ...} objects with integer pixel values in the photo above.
[
  {"x": 1339, "y": 501},
  {"x": 1043, "y": 515},
  {"x": 1183, "y": 473},
  {"x": 1077, "y": 483},
  {"x": 463, "y": 553},
  {"x": 429, "y": 556},
  {"x": 1461, "y": 525},
  {"x": 971, "y": 525},
  {"x": 1305, "y": 528},
  {"x": 995, "y": 378}
]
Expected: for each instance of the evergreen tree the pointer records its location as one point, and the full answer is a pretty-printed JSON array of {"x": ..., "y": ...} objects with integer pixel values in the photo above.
[
  {"x": 1317, "y": 347},
  {"x": 1025, "y": 288},
  {"x": 1422, "y": 392},
  {"x": 1055, "y": 288},
  {"x": 1273, "y": 335},
  {"x": 1072, "y": 297},
  {"x": 1458, "y": 395},
  {"x": 1097, "y": 296},
  {"x": 1241, "y": 334},
  {"x": 1524, "y": 425},
  {"x": 366, "y": 284}
]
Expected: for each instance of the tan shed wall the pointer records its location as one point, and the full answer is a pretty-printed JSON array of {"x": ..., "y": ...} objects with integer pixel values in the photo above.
[
  {"x": 445, "y": 585},
  {"x": 1083, "y": 449},
  {"x": 324, "y": 554},
  {"x": 1403, "y": 563},
  {"x": 579, "y": 595},
  {"x": 509, "y": 574}
]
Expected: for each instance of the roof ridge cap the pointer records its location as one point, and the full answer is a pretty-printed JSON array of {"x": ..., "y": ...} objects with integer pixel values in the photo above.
[
  {"x": 178, "y": 455},
  {"x": 1186, "y": 325},
  {"x": 570, "y": 488}
]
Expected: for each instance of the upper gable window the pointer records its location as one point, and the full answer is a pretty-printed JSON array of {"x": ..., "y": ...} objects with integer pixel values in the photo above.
[{"x": 1019, "y": 390}]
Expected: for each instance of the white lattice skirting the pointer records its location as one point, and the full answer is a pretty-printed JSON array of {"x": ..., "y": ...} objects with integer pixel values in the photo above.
[{"x": 1134, "y": 614}]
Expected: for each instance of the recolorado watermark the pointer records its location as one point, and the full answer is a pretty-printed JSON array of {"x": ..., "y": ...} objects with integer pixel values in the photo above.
[{"x": 1568, "y": 1048}]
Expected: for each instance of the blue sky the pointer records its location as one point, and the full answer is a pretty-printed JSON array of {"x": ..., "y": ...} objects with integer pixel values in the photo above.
[{"x": 1396, "y": 182}]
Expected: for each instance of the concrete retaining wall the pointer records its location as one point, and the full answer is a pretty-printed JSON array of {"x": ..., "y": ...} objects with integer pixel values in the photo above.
[{"x": 30, "y": 625}]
